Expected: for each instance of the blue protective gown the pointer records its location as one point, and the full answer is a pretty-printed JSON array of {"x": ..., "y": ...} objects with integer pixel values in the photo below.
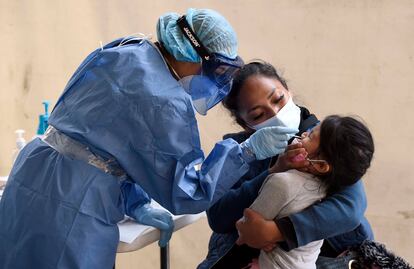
[{"x": 122, "y": 102}]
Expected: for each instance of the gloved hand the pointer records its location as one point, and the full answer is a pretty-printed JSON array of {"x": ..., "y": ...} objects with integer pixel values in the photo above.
[
  {"x": 270, "y": 141},
  {"x": 158, "y": 218}
]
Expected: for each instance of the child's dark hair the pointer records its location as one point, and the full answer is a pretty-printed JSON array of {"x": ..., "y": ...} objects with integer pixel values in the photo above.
[
  {"x": 347, "y": 145},
  {"x": 259, "y": 68}
]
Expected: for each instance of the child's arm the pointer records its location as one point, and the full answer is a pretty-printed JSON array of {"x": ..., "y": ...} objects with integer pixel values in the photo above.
[
  {"x": 277, "y": 191},
  {"x": 337, "y": 214}
]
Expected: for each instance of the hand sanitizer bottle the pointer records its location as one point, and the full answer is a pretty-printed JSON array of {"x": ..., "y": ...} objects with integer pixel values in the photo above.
[
  {"x": 20, "y": 143},
  {"x": 43, "y": 121}
]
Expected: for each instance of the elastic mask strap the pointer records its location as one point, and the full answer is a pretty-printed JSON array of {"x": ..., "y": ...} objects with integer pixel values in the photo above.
[
  {"x": 312, "y": 161},
  {"x": 192, "y": 37}
]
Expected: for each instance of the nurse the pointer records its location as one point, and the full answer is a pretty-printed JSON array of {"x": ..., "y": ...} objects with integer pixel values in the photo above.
[{"x": 124, "y": 130}]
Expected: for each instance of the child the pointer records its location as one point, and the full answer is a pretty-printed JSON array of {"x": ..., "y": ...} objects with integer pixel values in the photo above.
[{"x": 339, "y": 151}]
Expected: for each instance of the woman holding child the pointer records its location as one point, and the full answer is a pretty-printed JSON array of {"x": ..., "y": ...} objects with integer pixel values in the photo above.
[{"x": 260, "y": 98}]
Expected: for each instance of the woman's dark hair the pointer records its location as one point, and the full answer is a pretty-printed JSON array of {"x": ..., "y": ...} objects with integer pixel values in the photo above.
[
  {"x": 259, "y": 68},
  {"x": 347, "y": 145}
]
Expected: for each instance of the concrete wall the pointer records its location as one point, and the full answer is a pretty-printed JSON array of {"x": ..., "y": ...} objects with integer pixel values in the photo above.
[{"x": 343, "y": 56}]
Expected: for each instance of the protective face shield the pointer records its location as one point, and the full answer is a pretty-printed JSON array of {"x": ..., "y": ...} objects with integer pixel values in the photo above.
[
  {"x": 215, "y": 79},
  {"x": 213, "y": 83},
  {"x": 288, "y": 116}
]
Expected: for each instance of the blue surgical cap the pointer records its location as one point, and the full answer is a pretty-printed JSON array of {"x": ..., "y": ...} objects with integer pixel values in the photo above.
[{"x": 213, "y": 30}]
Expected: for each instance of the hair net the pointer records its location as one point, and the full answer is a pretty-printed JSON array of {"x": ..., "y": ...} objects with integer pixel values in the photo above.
[{"x": 213, "y": 30}]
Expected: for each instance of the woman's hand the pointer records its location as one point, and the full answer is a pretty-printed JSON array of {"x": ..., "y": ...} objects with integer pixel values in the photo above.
[
  {"x": 257, "y": 232},
  {"x": 294, "y": 157}
]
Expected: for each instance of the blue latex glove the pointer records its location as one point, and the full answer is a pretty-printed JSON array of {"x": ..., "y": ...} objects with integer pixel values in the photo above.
[
  {"x": 270, "y": 141},
  {"x": 158, "y": 218}
]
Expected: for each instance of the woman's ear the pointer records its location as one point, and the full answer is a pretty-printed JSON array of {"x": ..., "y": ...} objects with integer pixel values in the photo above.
[
  {"x": 322, "y": 167},
  {"x": 185, "y": 69}
]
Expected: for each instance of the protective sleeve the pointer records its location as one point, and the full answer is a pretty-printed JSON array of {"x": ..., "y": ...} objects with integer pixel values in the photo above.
[
  {"x": 222, "y": 216},
  {"x": 337, "y": 214},
  {"x": 204, "y": 185},
  {"x": 133, "y": 196}
]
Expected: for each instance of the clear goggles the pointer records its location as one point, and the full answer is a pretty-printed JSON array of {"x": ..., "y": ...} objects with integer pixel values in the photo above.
[{"x": 215, "y": 79}]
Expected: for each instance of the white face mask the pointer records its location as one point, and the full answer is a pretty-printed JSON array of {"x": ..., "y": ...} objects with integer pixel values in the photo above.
[{"x": 288, "y": 116}]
